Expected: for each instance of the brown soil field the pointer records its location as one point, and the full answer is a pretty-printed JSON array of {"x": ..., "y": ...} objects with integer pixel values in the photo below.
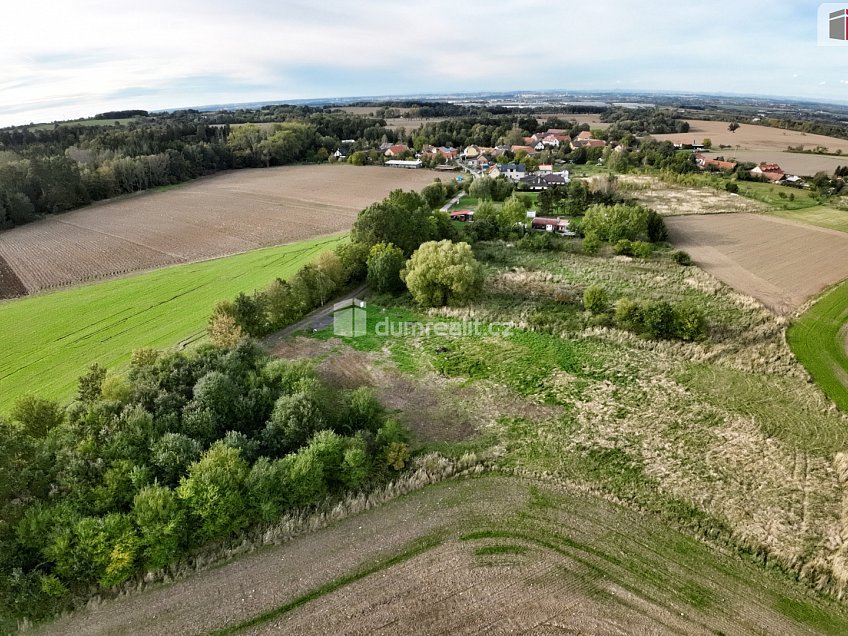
[
  {"x": 211, "y": 217},
  {"x": 674, "y": 200},
  {"x": 792, "y": 162},
  {"x": 590, "y": 567},
  {"x": 752, "y": 137},
  {"x": 10, "y": 285},
  {"x": 780, "y": 263}
]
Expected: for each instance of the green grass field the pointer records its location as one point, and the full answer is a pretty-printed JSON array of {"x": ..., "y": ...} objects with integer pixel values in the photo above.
[
  {"x": 771, "y": 194},
  {"x": 50, "y": 339},
  {"x": 818, "y": 338},
  {"x": 822, "y": 216},
  {"x": 84, "y": 122}
]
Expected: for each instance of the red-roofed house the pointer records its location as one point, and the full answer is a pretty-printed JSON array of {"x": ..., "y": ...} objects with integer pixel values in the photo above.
[
  {"x": 707, "y": 162},
  {"x": 396, "y": 150},
  {"x": 770, "y": 171},
  {"x": 462, "y": 215}
]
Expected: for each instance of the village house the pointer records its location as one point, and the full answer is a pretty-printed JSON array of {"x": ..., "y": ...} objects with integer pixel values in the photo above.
[
  {"x": 544, "y": 224},
  {"x": 770, "y": 171},
  {"x": 530, "y": 150},
  {"x": 396, "y": 150},
  {"x": 399, "y": 163},
  {"x": 544, "y": 181},
  {"x": 708, "y": 162},
  {"x": 464, "y": 216},
  {"x": 512, "y": 171},
  {"x": 448, "y": 153}
]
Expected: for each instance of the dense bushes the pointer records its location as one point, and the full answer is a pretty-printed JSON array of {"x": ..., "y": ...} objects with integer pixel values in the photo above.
[
  {"x": 661, "y": 320},
  {"x": 200, "y": 447}
]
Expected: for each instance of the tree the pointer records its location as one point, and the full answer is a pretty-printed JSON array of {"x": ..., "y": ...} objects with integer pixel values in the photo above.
[
  {"x": 330, "y": 265},
  {"x": 37, "y": 416},
  {"x": 615, "y": 222},
  {"x": 512, "y": 213},
  {"x": 733, "y": 126},
  {"x": 161, "y": 524},
  {"x": 659, "y": 320},
  {"x": 707, "y": 142},
  {"x": 295, "y": 418},
  {"x": 400, "y": 219},
  {"x": 385, "y": 261},
  {"x": 655, "y": 227},
  {"x": 91, "y": 384},
  {"x": 434, "y": 194},
  {"x": 223, "y": 330},
  {"x": 172, "y": 454},
  {"x": 690, "y": 323},
  {"x": 353, "y": 256},
  {"x": 215, "y": 493},
  {"x": 441, "y": 273}
]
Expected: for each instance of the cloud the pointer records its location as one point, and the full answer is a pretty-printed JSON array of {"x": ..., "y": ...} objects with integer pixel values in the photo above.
[{"x": 84, "y": 57}]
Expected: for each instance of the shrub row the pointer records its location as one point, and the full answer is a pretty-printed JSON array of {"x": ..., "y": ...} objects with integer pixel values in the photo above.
[{"x": 658, "y": 320}]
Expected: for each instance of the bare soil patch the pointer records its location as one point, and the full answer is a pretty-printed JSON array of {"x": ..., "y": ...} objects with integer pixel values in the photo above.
[
  {"x": 10, "y": 285},
  {"x": 792, "y": 162},
  {"x": 208, "y": 218},
  {"x": 778, "y": 262},
  {"x": 752, "y": 137},
  {"x": 433, "y": 407}
]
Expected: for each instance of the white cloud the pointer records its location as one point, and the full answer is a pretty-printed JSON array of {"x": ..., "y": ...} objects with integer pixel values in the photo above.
[{"x": 81, "y": 57}]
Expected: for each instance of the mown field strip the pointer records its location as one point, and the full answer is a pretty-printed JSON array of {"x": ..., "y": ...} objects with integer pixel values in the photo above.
[
  {"x": 48, "y": 340},
  {"x": 818, "y": 338}
]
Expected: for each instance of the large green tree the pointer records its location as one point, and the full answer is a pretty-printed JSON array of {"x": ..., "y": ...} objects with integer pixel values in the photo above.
[
  {"x": 441, "y": 273},
  {"x": 402, "y": 219},
  {"x": 385, "y": 261}
]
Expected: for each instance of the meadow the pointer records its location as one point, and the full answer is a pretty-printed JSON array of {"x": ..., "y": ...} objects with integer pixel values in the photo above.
[
  {"x": 819, "y": 338},
  {"x": 49, "y": 339},
  {"x": 722, "y": 441}
]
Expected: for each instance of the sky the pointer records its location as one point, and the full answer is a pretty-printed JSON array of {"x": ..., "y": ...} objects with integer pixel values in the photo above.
[{"x": 62, "y": 59}]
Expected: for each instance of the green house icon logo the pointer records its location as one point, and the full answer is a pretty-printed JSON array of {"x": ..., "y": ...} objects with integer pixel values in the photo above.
[{"x": 349, "y": 318}]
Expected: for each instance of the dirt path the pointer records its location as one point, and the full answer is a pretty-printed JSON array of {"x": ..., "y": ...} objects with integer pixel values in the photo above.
[{"x": 318, "y": 319}]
